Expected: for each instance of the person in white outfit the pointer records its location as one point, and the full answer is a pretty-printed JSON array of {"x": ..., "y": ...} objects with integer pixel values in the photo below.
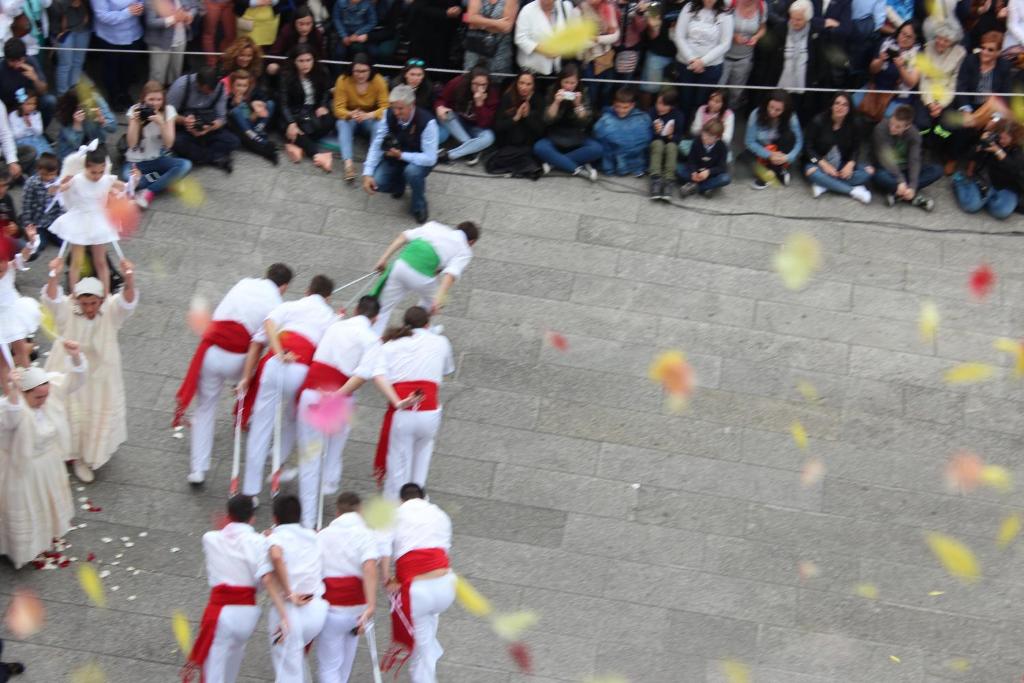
[
  {"x": 292, "y": 330},
  {"x": 423, "y": 253},
  {"x": 298, "y": 565},
  {"x": 237, "y": 562},
  {"x": 423, "y": 584},
  {"x": 19, "y": 315},
  {"x": 221, "y": 355},
  {"x": 343, "y": 346},
  {"x": 350, "y": 579}
]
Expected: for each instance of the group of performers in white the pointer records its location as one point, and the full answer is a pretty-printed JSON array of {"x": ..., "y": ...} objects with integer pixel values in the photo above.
[{"x": 281, "y": 358}]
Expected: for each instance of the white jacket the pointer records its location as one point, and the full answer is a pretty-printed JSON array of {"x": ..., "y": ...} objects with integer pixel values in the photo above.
[{"x": 532, "y": 27}]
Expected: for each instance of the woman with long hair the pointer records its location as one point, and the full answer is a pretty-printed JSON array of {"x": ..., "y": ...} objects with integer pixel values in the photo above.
[
  {"x": 703, "y": 35},
  {"x": 519, "y": 124},
  {"x": 774, "y": 138},
  {"x": 566, "y": 144},
  {"x": 150, "y": 138},
  {"x": 465, "y": 111},
  {"x": 831, "y": 151},
  {"x": 304, "y": 99},
  {"x": 360, "y": 100},
  {"x": 414, "y": 74},
  {"x": 81, "y": 122}
]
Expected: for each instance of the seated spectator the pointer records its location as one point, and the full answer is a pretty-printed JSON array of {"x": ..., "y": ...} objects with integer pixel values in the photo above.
[
  {"x": 667, "y": 126},
  {"x": 219, "y": 15},
  {"x": 259, "y": 19},
  {"x": 27, "y": 123},
  {"x": 893, "y": 68},
  {"x": 714, "y": 108},
  {"x": 517, "y": 127},
  {"x": 533, "y": 25},
  {"x": 414, "y": 75},
  {"x": 703, "y": 35},
  {"x": 707, "y": 166},
  {"x": 202, "y": 110},
  {"x": 151, "y": 137},
  {"x": 17, "y": 73},
  {"x": 305, "y": 99},
  {"x": 82, "y": 122},
  {"x": 465, "y": 111},
  {"x": 352, "y": 21},
  {"x": 71, "y": 27},
  {"x": 360, "y": 101},
  {"x": 249, "y": 115},
  {"x": 625, "y": 132},
  {"x": 748, "y": 26},
  {"x": 566, "y": 145},
  {"x": 301, "y": 30},
  {"x": 431, "y": 27},
  {"x": 168, "y": 30},
  {"x": 38, "y": 210},
  {"x": 403, "y": 152},
  {"x": 14, "y": 158},
  {"x": 489, "y": 25},
  {"x": 244, "y": 53},
  {"x": 944, "y": 56},
  {"x": 899, "y": 170},
  {"x": 774, "y": 138},
  {"x": 995, "y": 177},
  {"x": 832, "y": 145}
]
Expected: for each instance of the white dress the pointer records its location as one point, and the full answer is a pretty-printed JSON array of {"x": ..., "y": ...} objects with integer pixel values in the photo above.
[
  {"x": 86, "y": 220},
  {"x": 35, "y": 496},
  {"x": 19, "y": 315}
]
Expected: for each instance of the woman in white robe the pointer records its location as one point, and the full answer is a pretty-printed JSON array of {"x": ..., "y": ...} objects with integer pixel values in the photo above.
[
  {"x": 97, "y": 413},
  {"x": 35, "y": 438}
]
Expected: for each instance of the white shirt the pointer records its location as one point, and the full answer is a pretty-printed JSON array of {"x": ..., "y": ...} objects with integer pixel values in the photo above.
[
  {"x": 347, "y": 543},
  {"x": 249, "y": 302},
  {"x": 533, "y": 25},
  {"x": 419, "y": 524},
  {"x": 151, "y": 136},
  {"x": 421, "y": 356},
  {"x": 345, "y": 343},
  {"x": 451, "y": 246},
  {"x": 310, "y": 316},
  {"x": 236, "y": 555},
  {"x": 20, "y": 128},
  {"x": 302, "y": 556}
]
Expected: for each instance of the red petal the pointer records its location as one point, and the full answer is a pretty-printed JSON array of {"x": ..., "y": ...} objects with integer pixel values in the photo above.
[
  {"x": 90, "y": 557},
  {"x": 64, "y": 563},
  {"x": 557, "y": 341},
  {"x": 982, "y": 279},
  {"x": 95, "y": 508},
  {"x": 38, "y": 564},
  {"x": 520, "y": 654}
]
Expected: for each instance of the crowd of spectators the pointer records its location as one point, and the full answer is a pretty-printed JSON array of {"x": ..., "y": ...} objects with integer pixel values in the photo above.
[{"x": 853, "y": 95}]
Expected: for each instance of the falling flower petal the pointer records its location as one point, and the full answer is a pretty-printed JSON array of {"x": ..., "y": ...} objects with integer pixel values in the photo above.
[
  {"x": 25, "y": 614},
  {"x": 91, "y": 584},
  {"x": 511, "y": 626},
  {"x": 867, "y": 590},
  {"x": 470, "y": 599},
  {"x": 198, "y": 316},
  {"x": 963, "y": 472},
  {"x": 557, "y": 341},
  {"x": 807, "y": 570},
  {"x": 189, "y": 191},
  {"x": 997, "y": 477},
  {"x": 966, "y": 373},
  {"x": 808, "y": 391},
  {"x": 182, "y": 632},
  {"x": 928, "y": 321},
  {"x": 89, "y": 673},
  {"x": 936, "y": 593},
  {"x": 520, "y": 654},
  {"x": 982, "y": 280},
  {"x": 957, "y": 558},
  {"x": 379, "y": 513},
  {"x": 573, "y": 37},
  {"x": 797, "y": 260},
  {"x": 1008, "y": 530},
  {"x": 812, "y": 472},
  {"x": 47, "y": 323},
  {"x": 736, "y": 672},
  {"x": 1014, "y": 348},
  {"x": 330, "y": 414},
  {"x": 799, "y": 435},
  {"x": 125, "y": 215},
  {"x": 959, "y": 664},
  {"x": 674, "y": 373},
  {"x": 894, "y": 658}
]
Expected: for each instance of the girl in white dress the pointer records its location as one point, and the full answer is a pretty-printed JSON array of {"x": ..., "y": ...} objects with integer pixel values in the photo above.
[{"x": 19, "y": 315}]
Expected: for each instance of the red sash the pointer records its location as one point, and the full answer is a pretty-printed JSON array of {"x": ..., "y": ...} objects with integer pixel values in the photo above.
[
  {"x": 220, "y": 595},
  {"x": 403, "y": 389},
  {"x": 409, "y": 566},
  {"x": 290, "y": 341},
  {"x": 344, "y": 591},
  {"x": 228, "y": 335},
  {"x": 322, "y": 377}
]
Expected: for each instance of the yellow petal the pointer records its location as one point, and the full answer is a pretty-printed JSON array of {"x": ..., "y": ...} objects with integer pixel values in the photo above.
[
  {"x": 91, "y": 584},
  {"x": 997, "y": 477},
  {"x": 736, "y": 672},
  {"x": 894, "y": 658},
  {"x": 379, "y": 513},
  {"x": 47, "y": 324},
  {"x": 797, "y": 260},
  {"x": 808, "y": 391},
  {"x": 470, "y": 599},
  {"x": 1015, "y": 349},
  {"x": 928, "y": 322},
  {"x": 576, "y": 35},
  {"x": 511, "y": 626},
  {"x": 956, "y": 557},
  {"x": 966, "y": 373},
  {"x": 89, "y": 673},
  {"x": 959, "y": 664},
  {"x": 189, "y": 191},
  {"x": 182, "y": 632},
  {"x": 799, "y": 435},
  {"x": 936, "y": 593},
  {"x": 1008, "y": 530},
  {"x": 867, "y": 590}
]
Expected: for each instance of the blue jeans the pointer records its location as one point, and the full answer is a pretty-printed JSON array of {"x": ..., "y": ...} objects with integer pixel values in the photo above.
[
  {"x": 887, "y": 182},
  {"x": 654, "y": 71},
  {"x": 838, "y": 185},
  {"x": 158, "y": 173},
  {"x": 545, "y": 150},
  {"x": 999, "y": 202},
  {"x": 392, "y": 176},
  {"x": 37, "y": 142},
  {"x": 70, "y": 62},
  {"x": 347, "y": 130},
  {"x": 713, "y": 182},
  {"x": 472, "y": 140},
  {"x": 241, "y": 116}
]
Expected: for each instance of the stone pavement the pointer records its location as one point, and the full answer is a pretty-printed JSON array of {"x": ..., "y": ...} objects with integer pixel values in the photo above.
[{"x": 653, "y": 545}]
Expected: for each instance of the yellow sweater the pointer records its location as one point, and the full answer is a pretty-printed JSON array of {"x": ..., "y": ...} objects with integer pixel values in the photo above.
[{"x": 347, "y": 99}]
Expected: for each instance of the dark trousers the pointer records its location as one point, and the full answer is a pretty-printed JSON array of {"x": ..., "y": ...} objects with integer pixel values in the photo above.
[
  {"x": 119, "y": 69},
  {"x": 202, "y": 150},
  {"x": 4, "y": 674},
  {"x": 315, "y": 128}
]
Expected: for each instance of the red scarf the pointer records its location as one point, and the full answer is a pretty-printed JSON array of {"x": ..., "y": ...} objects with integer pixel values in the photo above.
[
  {"x": 220, "y": 595},
  {"x": 290, "y": 341},
  {"x": 409, "y": 566},
  {"x": 403, "y": 389},
  {"x": 226, "y": 334},
  {"x": 344, "y": 591},
  {"x": 322, "y": 377}
]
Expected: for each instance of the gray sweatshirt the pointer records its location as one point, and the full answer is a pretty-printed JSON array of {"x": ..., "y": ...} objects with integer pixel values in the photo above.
[{"x": 896, "y": 154}]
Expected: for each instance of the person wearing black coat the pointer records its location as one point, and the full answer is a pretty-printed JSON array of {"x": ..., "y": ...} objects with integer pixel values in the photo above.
[
  {"x": 981, "y": 73},
  {"x": 995, "y": 177},
  {"x": 304, "y": 99},
  {"x": 518, "y": 125},
  {"x": 431, "y": 26}
]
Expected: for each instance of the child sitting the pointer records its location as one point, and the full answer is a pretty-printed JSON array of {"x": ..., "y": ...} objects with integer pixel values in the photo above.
[
  {"x": 249, "y": 115},
  {"x": 625, "y": 133},
  {"x": 27, "y": 123},
  {"x": 707, "y": 166},
  {"x": 39, "y": 206},
  {"x": 668, "y": 130}
]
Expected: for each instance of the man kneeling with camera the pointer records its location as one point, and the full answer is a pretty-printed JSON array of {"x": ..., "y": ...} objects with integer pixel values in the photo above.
[
  {"x": 201, "y": 104},
  {"x": 403, "y": 151}
]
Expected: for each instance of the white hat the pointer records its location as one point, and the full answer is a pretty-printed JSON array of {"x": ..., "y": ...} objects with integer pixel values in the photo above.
[
  {"x": 33, "y": 377},
  {"x": 89, "y": 285}
]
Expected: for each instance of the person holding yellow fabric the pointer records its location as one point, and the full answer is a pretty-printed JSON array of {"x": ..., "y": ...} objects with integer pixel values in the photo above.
[{"x": 360, "y": 100}]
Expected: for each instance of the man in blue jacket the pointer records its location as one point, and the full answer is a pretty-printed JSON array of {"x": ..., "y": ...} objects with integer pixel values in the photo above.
[{"x": 625, "y": 132}]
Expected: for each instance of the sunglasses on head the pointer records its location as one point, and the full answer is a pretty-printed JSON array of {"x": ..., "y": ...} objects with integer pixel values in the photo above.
[{"x": 415, "y": 62}]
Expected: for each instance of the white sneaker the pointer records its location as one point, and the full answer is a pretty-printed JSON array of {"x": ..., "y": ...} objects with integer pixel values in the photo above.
[
  {"x": 861, "y": 194},
  {"x": 196, "y": 477},
  {"x": 591, "y": 172},
  {"x": 545, "y": 168},
  {"x": 83, "y": 472},
  {"x": 817, "y": 191}
]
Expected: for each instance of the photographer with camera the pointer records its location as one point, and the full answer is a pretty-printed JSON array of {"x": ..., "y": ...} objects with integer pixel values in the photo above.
[
  {"x": 201, "y": 105},
  {"x": 566, "y": 144},
  {"x": 150, "y": 140},
  {"x": 893, "y": 68},
  {"x": 995, "y": 173}
]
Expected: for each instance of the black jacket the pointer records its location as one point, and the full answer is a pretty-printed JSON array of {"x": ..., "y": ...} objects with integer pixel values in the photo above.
[
  {"x": 292, "y": 98},
  {"x": 525, "y": 131},
  {"x": 819, "y": 138},
  {"x": 715, "y": 160},
  {"x": 1005, "y": 174},
  {"x": 970, "y": 74}
]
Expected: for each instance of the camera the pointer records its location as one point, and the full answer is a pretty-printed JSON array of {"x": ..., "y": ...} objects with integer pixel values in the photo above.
[
  {"x": 989, "y": 138},
  {"x": 145, "y": 112},
  {"x": 569, "y": 96},
  {"x": 389, "y": 142},
  {"x": 893, "y": 52}
]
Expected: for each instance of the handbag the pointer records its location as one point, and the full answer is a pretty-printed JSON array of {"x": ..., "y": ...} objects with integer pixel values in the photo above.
[
  {"x": 481, "y": 42},
  {"x": 874, "y": 104}
]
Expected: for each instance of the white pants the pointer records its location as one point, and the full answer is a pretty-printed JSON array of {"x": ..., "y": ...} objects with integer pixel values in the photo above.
[
  {"x": 402, "y": 280},
  {"x": 234, "y": 626},
  {"x": 430, "y": 597},
  {"x": 317, "y": 451},
  {"x": 219, "y": 366},
  {"x": 336, "y": 647},
  {"x": 305, "y": 623},
  {"x": 409, "y": 449},
  {"x": 279, "y": 382}
]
